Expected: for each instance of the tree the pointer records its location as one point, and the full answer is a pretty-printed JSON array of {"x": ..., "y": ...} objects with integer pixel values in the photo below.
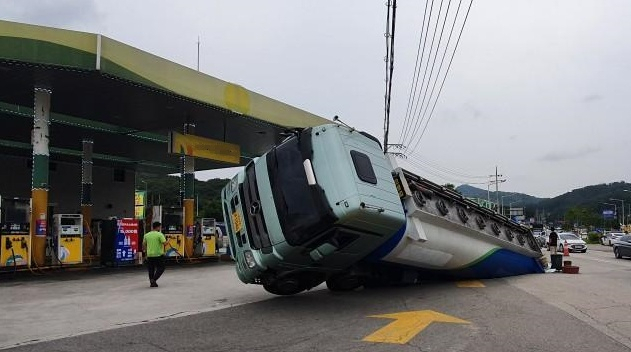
[
  {"x": 452, "y": 187},
  {"x": 165, "y": 191},
  {"x": 581, "y": 216}
]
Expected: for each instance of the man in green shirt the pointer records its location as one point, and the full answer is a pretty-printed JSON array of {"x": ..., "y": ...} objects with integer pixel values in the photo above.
[{"x": 153, "y": 245}]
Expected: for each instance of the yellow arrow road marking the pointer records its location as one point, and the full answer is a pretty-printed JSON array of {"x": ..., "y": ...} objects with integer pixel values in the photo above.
[
  {"x": 407, "y": 325},
  {"x": 470, "y": 283}
]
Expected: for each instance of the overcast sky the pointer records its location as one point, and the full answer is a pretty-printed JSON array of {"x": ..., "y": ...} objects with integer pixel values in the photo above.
[{"x": 539, "y": 88}]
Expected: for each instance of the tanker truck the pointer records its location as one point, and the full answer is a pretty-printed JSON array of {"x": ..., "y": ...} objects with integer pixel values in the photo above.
[{"x": 328, "y": 205}]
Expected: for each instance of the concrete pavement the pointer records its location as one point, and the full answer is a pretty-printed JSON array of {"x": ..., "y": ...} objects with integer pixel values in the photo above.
[
  {"x": 35, "y": 309},
  {"x": 598, "y": 295}
]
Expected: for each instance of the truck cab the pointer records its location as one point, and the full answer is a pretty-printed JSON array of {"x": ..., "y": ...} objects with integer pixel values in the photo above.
[{"x": 310, "y": 208}]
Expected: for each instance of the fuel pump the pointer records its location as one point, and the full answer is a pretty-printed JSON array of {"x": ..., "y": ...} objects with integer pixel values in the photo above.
[
  {"x": 68, "y": 238},
  {"x": 15, "y": 238},
  {"x": 208, "y": 237},
  {"x": 173, "y": 229}
]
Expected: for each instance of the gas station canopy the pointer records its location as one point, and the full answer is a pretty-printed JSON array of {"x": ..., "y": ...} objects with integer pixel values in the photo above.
[{"x": 126, "y": 101}]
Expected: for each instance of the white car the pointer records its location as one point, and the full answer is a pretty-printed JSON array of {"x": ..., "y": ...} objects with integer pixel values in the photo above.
[
  {"x": 609, "y": 238},
  {"x": 574, "y": 244}
]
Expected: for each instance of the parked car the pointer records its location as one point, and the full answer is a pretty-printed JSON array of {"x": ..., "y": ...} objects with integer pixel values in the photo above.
[
  {"x": 542, "y": 239},
  {"x": 574, "y": 244},
  {"x": 622, "y": 247},
  {"x": 610, "y": 237}
]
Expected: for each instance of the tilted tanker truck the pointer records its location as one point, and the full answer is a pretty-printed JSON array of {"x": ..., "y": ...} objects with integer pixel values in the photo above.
[{"x": 327, "y": 205}]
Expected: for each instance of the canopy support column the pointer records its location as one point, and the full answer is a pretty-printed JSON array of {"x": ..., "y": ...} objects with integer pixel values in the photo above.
[
  {"x": 188, "y": 195},
  {"x": 86, "y": 195},
  {"x": 39, "y": 179}
]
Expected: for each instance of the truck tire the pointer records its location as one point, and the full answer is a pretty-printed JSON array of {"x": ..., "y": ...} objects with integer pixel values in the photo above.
[
  {"x": 284, "y": 287},
  {"x": 340, "y": 283}
]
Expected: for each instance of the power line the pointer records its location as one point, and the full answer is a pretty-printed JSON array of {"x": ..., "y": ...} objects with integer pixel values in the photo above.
[
  {"x": 417, "y": 72},
  {"x": 415, "y": 98},
  {"x": 443, "y": 176},
  {"x": 444, "y": 169},
  {"x": 445, "y": 77},
  {"x": 431, "y": 46},
  {"x": 442, "y": 61},
  {"x": 440, "y": 38}
]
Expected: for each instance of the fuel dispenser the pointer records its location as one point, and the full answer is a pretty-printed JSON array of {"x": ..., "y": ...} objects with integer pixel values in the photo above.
[
  {"x": 173, "y": 229},
  {"x": 208, "y": 237},
  {"x": 15, "y": 238},
  {"x": 68, "y": 238}
]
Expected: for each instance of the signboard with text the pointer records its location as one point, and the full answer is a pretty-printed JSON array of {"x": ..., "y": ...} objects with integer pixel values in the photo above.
[
  {"x": 139, "y": 204},
  {"x": 205, "y": 148},
  {"x": 126, "y": 245}
]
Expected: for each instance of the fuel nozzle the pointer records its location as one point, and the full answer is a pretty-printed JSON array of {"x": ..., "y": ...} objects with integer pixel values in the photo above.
[
  {"x": 7, "y": 243},
  {"x": 23, "y": 243}
]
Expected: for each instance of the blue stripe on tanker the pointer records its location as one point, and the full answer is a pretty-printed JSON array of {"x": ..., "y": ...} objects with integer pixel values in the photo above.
[
  {"x": 387, "y": 246},
  {"x": 498, "y": 262}
]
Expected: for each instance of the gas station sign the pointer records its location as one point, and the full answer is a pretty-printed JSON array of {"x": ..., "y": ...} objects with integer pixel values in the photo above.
[{"x": 205, "y": 148}]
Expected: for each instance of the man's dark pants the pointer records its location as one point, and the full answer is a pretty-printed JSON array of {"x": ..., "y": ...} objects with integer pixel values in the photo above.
[{"x": 155, "y": 265}]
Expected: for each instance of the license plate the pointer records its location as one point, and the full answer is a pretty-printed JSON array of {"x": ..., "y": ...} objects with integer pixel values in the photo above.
[{"x": 236, "y": 220}]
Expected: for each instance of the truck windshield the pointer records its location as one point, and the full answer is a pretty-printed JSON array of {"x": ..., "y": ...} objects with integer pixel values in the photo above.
[{"x": 303, "y": 210}]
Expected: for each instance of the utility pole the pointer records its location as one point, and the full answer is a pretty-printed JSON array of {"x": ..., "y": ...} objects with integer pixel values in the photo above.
[{"x": 497, "y": 182}]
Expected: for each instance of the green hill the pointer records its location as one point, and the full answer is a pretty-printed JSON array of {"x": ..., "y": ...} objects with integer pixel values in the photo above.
[{"x": 583, "y": 206}]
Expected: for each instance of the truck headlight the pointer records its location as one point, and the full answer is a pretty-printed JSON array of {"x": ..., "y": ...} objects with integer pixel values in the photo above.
[{"x": 249, "y": 259}]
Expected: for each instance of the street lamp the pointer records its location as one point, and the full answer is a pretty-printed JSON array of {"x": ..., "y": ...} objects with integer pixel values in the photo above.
[{"x": 620, "y": 200}]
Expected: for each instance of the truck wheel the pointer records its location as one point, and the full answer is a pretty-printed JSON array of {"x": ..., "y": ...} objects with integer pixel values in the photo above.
[
  {"x": 284, "y": 287},
  {"x": 343, "y": 283}
]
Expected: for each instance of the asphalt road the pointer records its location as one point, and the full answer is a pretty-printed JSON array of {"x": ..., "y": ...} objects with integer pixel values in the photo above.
[{"x": 590, "y": 311}]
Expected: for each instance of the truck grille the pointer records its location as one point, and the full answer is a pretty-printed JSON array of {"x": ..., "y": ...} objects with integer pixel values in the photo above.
[{"x": 253, "y": 212}]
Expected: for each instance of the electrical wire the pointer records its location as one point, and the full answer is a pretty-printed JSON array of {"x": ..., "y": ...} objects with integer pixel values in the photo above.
[
  {"x": 414, "y": 98},
  {"x": 431, "y": 48},
  {"x": 423, "y": 112},
  {"x": 442, "y": 176},
  {"x": 417, "y": 72},
  {"x": 444, "y": 169},
  {"x": 444, "y": 78},
  {"x": 447, "y": 174}
]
